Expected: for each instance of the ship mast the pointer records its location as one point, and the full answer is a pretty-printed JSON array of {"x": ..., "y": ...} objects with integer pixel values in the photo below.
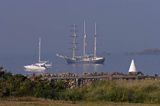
[
  {"x": 39, "y": 50},
  {"x": 84, "y": 40},
  {"x": 74, "y": 42},
  {"x": 95, "y": 40}
]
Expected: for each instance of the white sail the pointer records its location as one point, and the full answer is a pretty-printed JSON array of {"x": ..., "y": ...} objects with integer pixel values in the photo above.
[
  {"x": 74, "y": 42},
  {"x": 132, "y": 68},
  {"x": 95, "y": 41},
  {"x": 84, "y": 40}
]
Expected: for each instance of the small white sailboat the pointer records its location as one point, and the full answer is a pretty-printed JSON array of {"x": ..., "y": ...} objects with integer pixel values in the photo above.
[
  {"x": 40, "y": 65},
  {"x": 132, "y": 68}
]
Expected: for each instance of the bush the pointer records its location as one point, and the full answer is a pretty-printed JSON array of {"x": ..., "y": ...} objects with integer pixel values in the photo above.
[{"x": 138, "y": 91}]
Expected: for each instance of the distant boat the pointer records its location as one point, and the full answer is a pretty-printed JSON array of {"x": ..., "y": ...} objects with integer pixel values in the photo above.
[
  {"x": 40, "y": 65},
  {"x": 93, "y": 59},
  {"x": 132, "y": 68}
]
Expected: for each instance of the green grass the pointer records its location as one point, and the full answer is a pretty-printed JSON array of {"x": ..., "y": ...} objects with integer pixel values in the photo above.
[{"x": 128, "y": 91}]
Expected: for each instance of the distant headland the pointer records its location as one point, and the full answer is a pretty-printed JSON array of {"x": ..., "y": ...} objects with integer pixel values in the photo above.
[{"x": 149, "y": 51}]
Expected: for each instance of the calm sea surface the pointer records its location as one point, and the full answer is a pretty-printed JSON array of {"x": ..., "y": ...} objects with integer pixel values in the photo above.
[{"x": 148, "y": 64}]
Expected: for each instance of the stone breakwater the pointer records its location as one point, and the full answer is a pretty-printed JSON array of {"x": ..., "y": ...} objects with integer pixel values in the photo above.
[{"x": 72, "y": 80}]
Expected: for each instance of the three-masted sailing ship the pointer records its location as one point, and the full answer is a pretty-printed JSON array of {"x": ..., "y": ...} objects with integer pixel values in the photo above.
[{"x": 85, "y": 58}]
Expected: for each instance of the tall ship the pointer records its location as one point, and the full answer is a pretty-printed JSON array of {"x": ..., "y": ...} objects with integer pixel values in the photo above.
[
  {"x": 85, "y": 58},
  {"x": 40, "y": 65}
]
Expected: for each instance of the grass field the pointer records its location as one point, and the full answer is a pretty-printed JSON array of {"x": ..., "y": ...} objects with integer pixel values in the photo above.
[
  {"x": 15, "y": 91},
  {"x": 29, "y": 101}
]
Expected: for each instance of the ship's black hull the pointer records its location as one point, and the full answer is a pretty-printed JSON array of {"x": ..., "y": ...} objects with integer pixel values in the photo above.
[
  {"x": 101, "y": 61},
  {"x": 75, "y": 61},
  {"x": 71, "y": 61}
]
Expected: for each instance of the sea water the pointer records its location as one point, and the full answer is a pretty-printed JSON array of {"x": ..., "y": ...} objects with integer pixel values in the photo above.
[{"x": 118, "y": 62}]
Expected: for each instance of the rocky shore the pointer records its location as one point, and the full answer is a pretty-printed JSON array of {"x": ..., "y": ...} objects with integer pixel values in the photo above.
[{"x": 76, "y": 80}]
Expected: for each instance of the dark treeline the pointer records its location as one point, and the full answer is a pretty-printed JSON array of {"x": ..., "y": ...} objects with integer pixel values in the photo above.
[{"x": 140, "y": 91}]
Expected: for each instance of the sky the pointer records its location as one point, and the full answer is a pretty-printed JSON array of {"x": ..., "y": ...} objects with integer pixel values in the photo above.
[{"x": 122, "y": 25}]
